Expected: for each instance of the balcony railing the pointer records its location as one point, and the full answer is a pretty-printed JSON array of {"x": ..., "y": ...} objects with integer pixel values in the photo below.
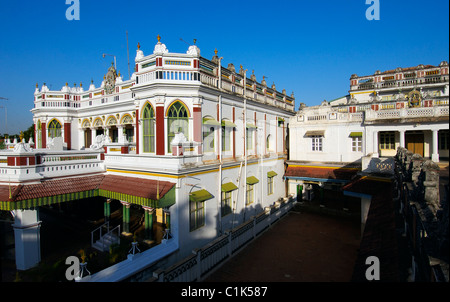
[
  {"x": 35, "y": 164},
  {"x": 385, "y": 110}
]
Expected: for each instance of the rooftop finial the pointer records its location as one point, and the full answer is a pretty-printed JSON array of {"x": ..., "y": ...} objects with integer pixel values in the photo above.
[
  {"x": 215, "y": 51},
  {"x": 139, "y": 46},
  {"x": 195, "y": 41},
  {"x": 159, "y": 38}
]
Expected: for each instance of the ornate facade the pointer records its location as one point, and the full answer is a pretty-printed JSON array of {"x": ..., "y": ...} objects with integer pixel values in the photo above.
[{"x": 214, "y": 137}]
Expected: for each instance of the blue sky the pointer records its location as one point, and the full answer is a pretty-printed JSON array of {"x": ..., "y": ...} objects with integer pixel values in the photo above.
[{"x": 310, "y": 47}]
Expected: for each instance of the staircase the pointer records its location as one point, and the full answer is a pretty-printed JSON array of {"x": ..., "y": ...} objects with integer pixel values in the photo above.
[{"x": 105, "y": 237}]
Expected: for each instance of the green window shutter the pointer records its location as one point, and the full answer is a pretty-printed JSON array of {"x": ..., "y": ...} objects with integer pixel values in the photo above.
[
  {"x": 271, "y": 174},
  {"x": 229, "y": 186},
  {"x": 252, "y": 180},
  {"x": 355, "y": 134},
  {"x": 199, "y": 196},
  {"x": 210, "y": 121},
  {"x": 227, "y": 123}
]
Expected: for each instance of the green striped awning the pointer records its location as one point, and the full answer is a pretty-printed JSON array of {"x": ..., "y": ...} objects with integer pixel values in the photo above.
[
  {"x": 46, "y": 200},
  {"x": 200, "y": 196},
  {"x": 272, "y": 174},
  {"x": 210, "y": 121},
  {"x": 355, "y": 134},
  {"x": 252, "y": 180},
  {"x": 229, "y": 186},
  {"x": 167, "y": 200},
  {"x": 251, "y": 126}
]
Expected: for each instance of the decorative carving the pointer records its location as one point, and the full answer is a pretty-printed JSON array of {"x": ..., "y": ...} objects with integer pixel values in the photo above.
[
  {"x": 414, "y": 98},
  {"x": 110, "y": 79}
]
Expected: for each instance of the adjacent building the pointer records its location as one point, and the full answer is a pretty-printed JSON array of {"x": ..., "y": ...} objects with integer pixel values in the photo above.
[{"x": 332, "y": 142}]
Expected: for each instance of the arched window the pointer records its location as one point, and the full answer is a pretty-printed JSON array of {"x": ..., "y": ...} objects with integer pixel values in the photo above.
[
  {"x": 177, "y": 121},
  {"x": 54, "y": 129},
  {"x": 148, "y": 118}
]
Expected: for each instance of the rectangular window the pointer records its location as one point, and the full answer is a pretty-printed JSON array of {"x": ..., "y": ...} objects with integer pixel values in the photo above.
[
  {"x": 269, "y": 185},
  {"x": 249, "y": 138},
  {"x": 226, "y": 138},
  {"x": 357, "y": 144},
  {"x": 387, "y": 140},
  {"x": 316, "y": 143},
  {"x": 197, "y": 215},
  {"x": 443, "y": 139},
  {"x": 250, "y": 194},
  {"x": 226, "y": 203}
]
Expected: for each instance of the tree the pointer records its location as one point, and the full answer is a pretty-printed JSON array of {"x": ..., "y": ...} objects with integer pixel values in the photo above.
[{"x": 29, "y": 133}]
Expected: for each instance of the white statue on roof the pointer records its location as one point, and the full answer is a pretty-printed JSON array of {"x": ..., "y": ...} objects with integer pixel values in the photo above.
[
  {"x": 160, "y": 47},
  {"x": 194, "y": 50},
  {"x": 139, "y": 53}
]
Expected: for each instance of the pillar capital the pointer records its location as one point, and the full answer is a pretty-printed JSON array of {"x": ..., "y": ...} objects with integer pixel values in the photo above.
[{"x": 150, "y": 209}]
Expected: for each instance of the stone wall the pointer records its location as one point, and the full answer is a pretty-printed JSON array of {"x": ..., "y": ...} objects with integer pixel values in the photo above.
[{"x": 425, "y": 214}]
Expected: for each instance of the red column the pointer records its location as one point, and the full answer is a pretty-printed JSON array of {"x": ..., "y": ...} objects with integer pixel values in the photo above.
[
  {"x": 67, "y": 135},
  {"x": 197, "y": 124},
  {"x": 43, "y": 136},
  {"x": 160, "y": 130}
]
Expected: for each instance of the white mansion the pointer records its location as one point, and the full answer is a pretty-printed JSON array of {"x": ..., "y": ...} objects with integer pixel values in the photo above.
[
  {"x": 404, "y": 107},
  {"x": 200, "y": 147}
]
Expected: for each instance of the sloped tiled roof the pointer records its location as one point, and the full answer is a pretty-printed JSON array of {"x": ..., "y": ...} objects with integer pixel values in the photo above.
[
  {"x": 141, "y": 187},
  {"x": 379, "y": 237},
  {"x": 341, "y": 173}
]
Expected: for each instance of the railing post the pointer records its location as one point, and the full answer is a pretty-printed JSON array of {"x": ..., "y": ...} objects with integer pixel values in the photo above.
[
  {"x": 253, "y": 218},
  {"x": 229, "y": 245},
  {"x": 159, "y": 275},
  {"x": 197, "y": 253}
]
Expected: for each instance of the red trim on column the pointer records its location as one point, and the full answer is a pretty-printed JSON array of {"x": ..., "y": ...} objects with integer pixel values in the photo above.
[
  {"x": 160, "y": 148},
  {"x": 137, "y": 131},
  {"x": 11, "y": 161},
  {"x": 21, "y": 161},
  {"x": 197, "y": 117},
  {"x": 43, "y": 136},
  {"x": 67, "y": 136}
]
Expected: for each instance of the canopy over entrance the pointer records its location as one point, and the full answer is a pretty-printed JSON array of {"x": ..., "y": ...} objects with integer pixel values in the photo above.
[{"x": 146, "y": 192}]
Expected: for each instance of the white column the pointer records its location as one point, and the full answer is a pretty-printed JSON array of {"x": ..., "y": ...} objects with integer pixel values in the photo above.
[
  {"x": 435, "y": 154},
  {"x": 27, "y": 238},
  {"x": 402, "y": 138},
  {"x": 93, "y": 135},
  {"x": 375, "y": 143}
]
